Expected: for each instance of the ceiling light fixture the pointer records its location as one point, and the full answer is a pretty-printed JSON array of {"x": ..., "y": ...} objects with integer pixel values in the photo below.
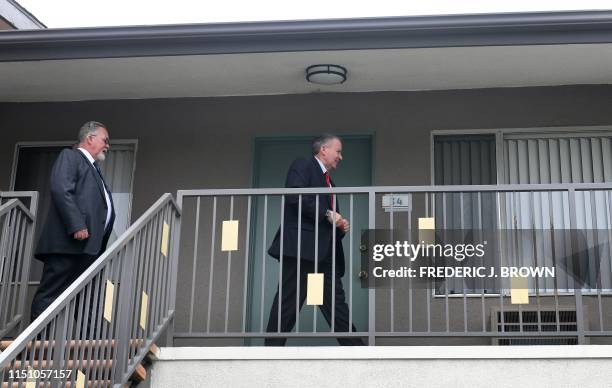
[{"x": 326, "y": 74}]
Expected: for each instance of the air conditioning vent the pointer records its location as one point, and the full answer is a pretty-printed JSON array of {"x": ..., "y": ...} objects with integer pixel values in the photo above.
[{"x": 563, "y": 320}]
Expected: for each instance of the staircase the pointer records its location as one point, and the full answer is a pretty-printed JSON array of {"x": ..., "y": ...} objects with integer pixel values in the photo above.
[
  {"x": 100, "y": 369},
  {"x": 17, "y": 223},
  {"x": 101, "y": 328}
]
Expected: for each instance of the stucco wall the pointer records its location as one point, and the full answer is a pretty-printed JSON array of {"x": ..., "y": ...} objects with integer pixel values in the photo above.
[{"x": 446, "y": 366}]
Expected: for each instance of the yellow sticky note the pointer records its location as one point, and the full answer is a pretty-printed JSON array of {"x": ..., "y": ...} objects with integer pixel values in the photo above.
[
  {"x": 519, "y": 292},
  {"x": 31, "y": 380},
  {"x": 108, "y": 301},
  {"x": 165, "y": 238},
  {"x": 229, "y": 236},
  {"x": 427, "y": 223},
  {"x": 314, "y": 290},
  {"x": 144, "y": 303},
  {"x": 80, "y": 380},
  {"x": 427, "y": 230}
]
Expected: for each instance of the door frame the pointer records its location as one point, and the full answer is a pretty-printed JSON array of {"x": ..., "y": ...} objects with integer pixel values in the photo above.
[
  {"x": 371, "y": 135},
  {"x": 256, "y": 139}
]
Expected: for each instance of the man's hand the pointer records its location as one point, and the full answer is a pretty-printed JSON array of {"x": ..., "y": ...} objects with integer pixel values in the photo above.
[
  {"x": 332, "y": 215},
  {"x": 341, "y": 223},
  {"x": 344, "y": 225},
  {"x": 81, "y": 234}
]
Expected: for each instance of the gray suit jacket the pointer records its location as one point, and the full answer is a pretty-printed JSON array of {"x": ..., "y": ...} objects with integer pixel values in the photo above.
[{"x": 77, "y": 202}]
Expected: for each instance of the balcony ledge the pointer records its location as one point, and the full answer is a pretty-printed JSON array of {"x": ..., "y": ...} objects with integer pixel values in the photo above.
[{"x": 542, "y": 352}]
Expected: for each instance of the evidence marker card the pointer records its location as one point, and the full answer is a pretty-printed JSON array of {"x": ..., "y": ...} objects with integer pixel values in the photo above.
[
  {"x": 314, "y": 290},
  {"x": 229, "y": 236}
]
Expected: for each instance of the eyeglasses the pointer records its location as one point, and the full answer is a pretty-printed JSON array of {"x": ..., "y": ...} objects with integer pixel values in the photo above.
[{"x": 105, "y": 139}]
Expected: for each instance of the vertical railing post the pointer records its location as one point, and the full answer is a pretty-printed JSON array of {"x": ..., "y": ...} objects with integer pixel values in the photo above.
[
  {"x": 175, "y": 241},
  {"x": 28, "y": 257},
  {"x": 9, "y": 237},
  {"x": 125, "y": 313},
  {"x": 371, "y": 290},
  {"x": 577, "y": 287},
  {"x": 5, "y": 233},
  {"x": 59, "y": 343},
  {"x": 25, "y": 272}
]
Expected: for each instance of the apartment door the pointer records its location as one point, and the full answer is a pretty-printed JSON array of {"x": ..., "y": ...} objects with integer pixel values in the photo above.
[{"x": 272, "y": 157}]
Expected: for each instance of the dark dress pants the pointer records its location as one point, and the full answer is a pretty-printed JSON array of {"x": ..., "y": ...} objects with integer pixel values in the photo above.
[
  {"x": 59, "y": 272},
  {"x": 288, "y": 303}
]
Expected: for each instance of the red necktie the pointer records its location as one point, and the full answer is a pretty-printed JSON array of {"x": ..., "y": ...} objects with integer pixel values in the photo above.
[{"x": 328, "y": 182}]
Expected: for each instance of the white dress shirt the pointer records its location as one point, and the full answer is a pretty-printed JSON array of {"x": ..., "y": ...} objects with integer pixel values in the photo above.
[{"x": 106, "y": 193}]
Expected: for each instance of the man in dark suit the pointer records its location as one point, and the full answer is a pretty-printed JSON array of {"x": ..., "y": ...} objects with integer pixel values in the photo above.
[
  {"x": 80, "y": 217},
  {"x": 311, "y": 172}
]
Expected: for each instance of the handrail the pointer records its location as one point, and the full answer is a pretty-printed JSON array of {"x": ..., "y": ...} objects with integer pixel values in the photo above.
[
  {"x": 31, "y": 195},
  {"x": 14, "y": 203},
  {"x": 126, "y": 265},
  {"x": 399, "y": 189},
  {"x": 17, "y": 223},
  {"x": 261, "y": 212}
]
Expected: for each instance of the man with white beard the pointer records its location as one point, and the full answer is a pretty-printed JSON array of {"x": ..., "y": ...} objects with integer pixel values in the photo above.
[{"x": 80, "y": 216}]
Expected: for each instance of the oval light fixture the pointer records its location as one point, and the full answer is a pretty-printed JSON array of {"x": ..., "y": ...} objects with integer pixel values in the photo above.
[{"x": 326, "y": 74}]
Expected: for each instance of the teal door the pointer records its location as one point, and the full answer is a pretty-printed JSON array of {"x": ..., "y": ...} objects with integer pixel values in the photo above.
[{"x": 272, "y": 157}]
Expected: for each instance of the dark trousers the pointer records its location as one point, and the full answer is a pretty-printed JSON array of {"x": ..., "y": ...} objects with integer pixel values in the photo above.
[
  {"x": 59, "y": 272},
  {"x": 288, "y": 303}
]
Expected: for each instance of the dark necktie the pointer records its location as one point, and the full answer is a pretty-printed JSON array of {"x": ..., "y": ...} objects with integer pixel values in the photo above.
[
  {"x": 328, "y": 182},
  {"x": 108, "y": 192},
  {"x": 103, "y": 182},
  {"x": 100, "y": 174}
]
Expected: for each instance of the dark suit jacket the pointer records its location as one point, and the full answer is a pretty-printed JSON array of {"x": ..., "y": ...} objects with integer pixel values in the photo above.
[
  {"x": 77, "y": 202},
  {"x": 306, "y": 172}
]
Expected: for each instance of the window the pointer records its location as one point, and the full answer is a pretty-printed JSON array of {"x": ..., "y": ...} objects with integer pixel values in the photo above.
[{"x": 528, "y": 157}]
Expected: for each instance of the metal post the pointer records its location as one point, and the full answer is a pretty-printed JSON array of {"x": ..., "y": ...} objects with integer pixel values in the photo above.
[
  {"x": 372, "y": 290},
  {"x": 577, "y": 290},
  {"x": 175, "y": 242},
  {"x": 124, "y": 314},
  {"x": 25, "y": 273}
]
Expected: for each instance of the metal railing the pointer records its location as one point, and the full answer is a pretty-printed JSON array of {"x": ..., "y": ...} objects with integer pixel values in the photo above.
[
  {"x": 227, "y": 294},
  {"x": 17, "y": 223},
  {"x": 101, "y": 327}
]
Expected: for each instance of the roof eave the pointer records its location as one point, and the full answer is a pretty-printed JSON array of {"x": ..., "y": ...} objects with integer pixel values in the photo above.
[{"x": 338, "y": 34}]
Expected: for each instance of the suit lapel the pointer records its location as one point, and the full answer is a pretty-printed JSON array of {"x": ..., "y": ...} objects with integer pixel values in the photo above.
[
  {"x": 319, "y": 173},
  {"x": 97, "y": 176},
  {"x": 316, "y": 169}
]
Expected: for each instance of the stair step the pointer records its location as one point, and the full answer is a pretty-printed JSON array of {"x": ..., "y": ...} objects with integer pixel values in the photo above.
[
  {"x": 140, "y": 373},
  {"x": 152, "y": 353},
  {"x": 70, "y": 365}
]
